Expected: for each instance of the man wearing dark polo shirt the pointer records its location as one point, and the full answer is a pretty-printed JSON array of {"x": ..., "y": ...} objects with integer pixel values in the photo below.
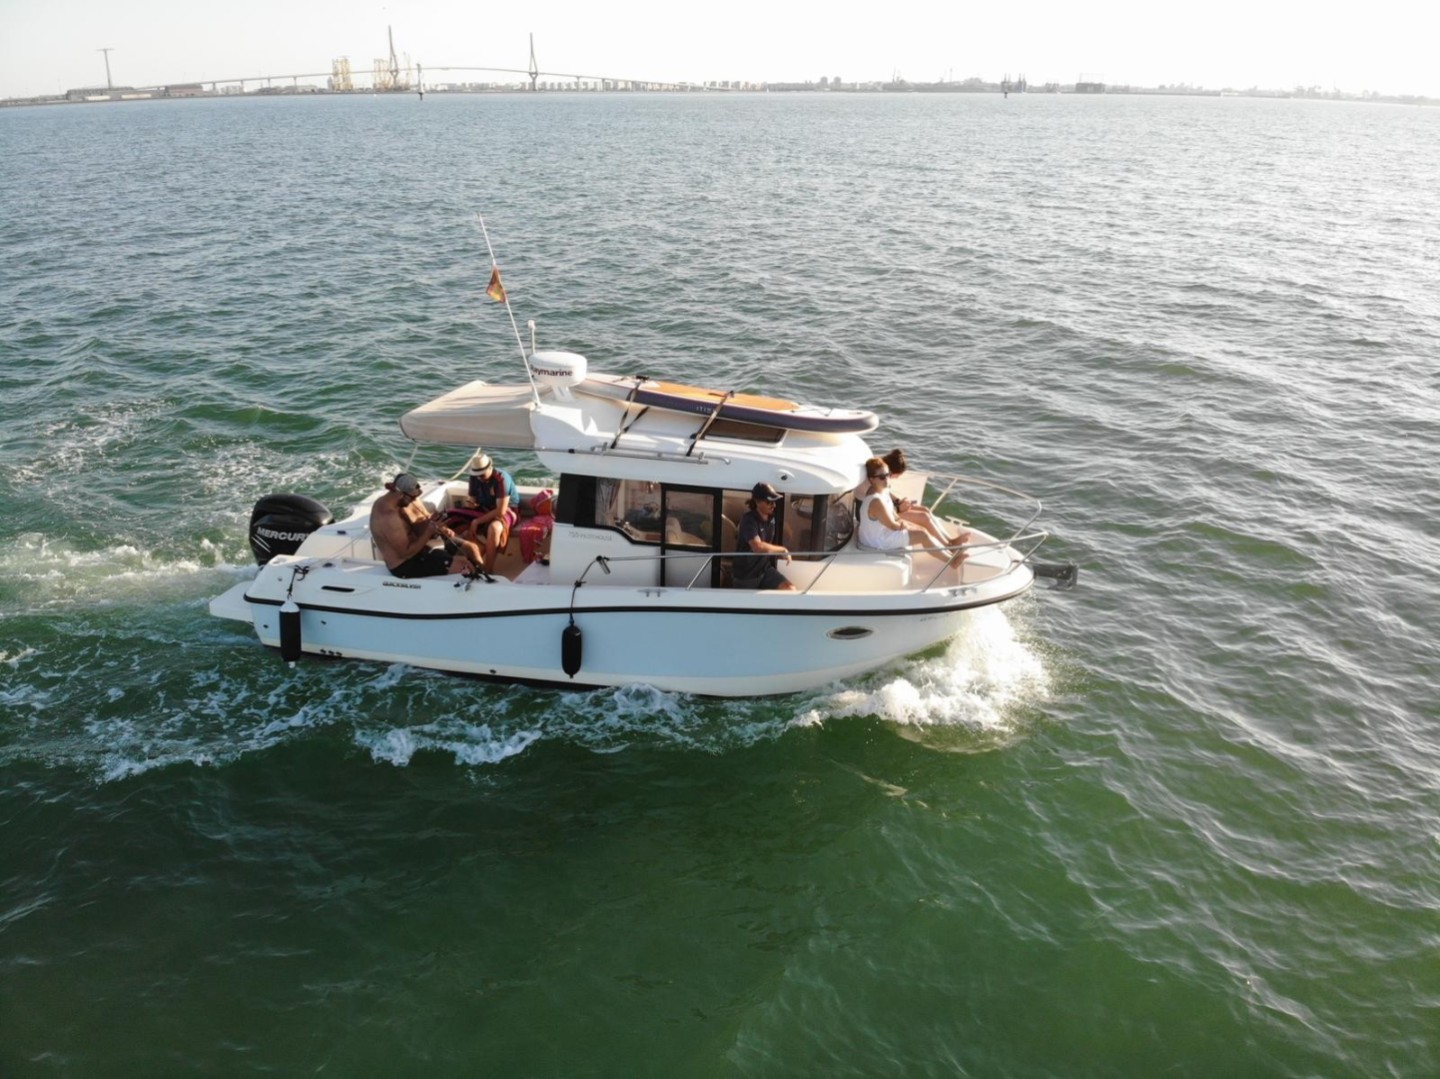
[{"x": 757, "y": 533}]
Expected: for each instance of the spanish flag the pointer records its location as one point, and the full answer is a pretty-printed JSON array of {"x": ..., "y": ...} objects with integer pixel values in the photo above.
[{"x": 495, "y": 290}]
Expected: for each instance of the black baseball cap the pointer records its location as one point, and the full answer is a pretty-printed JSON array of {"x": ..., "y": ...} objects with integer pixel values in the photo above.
[{"x": 763, "y": 492}]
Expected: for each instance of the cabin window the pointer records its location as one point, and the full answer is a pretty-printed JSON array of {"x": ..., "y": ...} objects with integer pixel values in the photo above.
[
  {"x": 799, "y": 534},
  {"x": 575, "y": 504},
  {"x": 835, "y": 522},
  {"x": 648, "y": 512},
  {"x": 819, "y": 523},
  {"x": 689, "y": 517},
  {"x": 740, "y": 431},
  {"x": 632, "y": 506}
]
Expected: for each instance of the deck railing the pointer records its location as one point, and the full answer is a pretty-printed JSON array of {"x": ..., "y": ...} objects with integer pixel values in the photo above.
[{"x": 1023, "y": 545}]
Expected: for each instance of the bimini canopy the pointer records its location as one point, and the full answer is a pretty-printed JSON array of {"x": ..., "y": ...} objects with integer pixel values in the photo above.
[{"x": 477, "y": 414}]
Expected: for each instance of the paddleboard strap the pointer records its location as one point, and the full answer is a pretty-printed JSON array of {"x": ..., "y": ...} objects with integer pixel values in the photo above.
[{"x": 709, "y": 420}]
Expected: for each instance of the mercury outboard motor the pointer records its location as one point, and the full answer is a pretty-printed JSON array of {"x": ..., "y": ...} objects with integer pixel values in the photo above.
[{"x": 280, "y": 523}]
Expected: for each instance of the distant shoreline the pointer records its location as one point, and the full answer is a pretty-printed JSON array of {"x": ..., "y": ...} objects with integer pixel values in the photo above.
[{"x": 92, "y": 96}]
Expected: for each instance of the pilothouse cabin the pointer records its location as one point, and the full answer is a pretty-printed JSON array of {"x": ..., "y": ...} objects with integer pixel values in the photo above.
[
  {"x": 655, "y": 476},
  {"x": 637, "y": 519}
]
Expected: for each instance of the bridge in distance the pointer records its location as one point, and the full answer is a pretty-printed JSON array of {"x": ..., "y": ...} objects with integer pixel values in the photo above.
[{"x": 424, "y": 77}]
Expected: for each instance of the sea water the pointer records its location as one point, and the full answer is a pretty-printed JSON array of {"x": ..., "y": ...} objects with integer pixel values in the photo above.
[{"x": 1182, "y": 820}]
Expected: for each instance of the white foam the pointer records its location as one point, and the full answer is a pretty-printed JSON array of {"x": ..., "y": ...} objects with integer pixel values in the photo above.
[
  {"x": 74, "y": 448},
  {"x": 394, "y": 746},
  {"x": 976, "y": 684},
  {"x": 469, "y": 743},
  {"x": 609, "y": 720},
  {"x": 58, "y": 573}
]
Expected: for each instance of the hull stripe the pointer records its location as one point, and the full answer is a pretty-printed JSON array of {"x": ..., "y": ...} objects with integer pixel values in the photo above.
[{"x": 894, "y": 612}]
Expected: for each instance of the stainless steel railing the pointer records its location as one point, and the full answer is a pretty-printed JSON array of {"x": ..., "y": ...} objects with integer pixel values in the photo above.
[{"x": 1022, "y": 544}]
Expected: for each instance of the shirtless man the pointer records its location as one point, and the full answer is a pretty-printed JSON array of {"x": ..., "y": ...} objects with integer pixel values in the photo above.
[{"x": 402, "y": 531}]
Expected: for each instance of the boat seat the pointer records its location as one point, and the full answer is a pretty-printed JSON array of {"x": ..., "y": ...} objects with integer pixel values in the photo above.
[{"x": 865, "y": 569}]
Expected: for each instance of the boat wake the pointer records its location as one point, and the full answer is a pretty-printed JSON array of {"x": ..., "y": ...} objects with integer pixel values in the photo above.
[
  {"x": 120, "y": 673},
  {"x": 40, "y": 573},
  {"x": 969, "y": 698}
]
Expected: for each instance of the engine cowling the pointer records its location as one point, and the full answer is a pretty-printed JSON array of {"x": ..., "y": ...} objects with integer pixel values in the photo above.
[{"x": 279, "y": 524}]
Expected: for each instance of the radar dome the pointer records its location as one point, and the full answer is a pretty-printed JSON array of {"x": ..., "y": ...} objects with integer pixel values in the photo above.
[{"x": 558, "y": 370}]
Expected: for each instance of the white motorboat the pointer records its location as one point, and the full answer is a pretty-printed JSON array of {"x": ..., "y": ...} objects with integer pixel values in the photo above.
[{"x": 633, "y": 582}]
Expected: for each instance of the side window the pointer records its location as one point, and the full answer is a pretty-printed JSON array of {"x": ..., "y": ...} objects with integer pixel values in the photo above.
[
  {"x": 681, "y": 517},
  {"x": 576, "y": 502},
  {"x": 637, "y": 509},
  {"x": 689, "y": 518},
  {"x": 607, "y": 500},
  {"x": 732, "y": 508},
  {"x": 838, "y": 520},
  {"x": 819, "y": 522},
  {"x": 800, "y": 522}
]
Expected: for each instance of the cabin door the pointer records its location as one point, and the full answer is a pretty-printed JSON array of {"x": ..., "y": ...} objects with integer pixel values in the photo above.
[{"x": 691, "y": 522}]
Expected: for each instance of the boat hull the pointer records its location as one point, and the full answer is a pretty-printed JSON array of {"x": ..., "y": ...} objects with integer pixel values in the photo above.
[{"x": 702, "y": 641}]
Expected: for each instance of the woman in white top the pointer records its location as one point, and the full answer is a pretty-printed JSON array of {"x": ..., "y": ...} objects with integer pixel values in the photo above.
[
  {"x": 881, "y": 527},
  {"x": 914, "y": 512}
]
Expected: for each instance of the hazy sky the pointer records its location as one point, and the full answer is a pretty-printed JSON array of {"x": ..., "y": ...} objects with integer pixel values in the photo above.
[{"x": 1385, "y": 45}]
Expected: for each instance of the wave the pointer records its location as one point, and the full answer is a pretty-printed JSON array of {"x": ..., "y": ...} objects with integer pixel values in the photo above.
[{"x": 971, "y": 697}]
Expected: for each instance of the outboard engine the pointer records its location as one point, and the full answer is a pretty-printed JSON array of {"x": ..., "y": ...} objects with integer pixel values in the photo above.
[{"x": 279, "y": 524}]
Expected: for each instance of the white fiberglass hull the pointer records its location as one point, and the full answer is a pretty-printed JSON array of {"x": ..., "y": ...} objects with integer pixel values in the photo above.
[{"x": 705, "y": 641}]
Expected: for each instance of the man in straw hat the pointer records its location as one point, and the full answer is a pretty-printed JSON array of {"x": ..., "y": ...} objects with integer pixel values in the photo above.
[{"x": 497, "y": 501}]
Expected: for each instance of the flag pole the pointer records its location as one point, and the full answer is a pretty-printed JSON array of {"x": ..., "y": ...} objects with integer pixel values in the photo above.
[{"x": 505, "y": 298}]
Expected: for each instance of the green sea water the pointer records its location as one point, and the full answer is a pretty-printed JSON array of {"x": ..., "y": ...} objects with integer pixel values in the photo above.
[{"x": 1184, "y": 820}]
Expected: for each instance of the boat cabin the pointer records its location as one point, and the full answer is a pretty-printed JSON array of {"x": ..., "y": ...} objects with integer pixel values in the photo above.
[{"x": 654, "y": 477}]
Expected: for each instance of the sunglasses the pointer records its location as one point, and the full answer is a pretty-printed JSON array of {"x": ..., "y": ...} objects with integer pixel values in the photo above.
[{"x": 881, "y": 476}]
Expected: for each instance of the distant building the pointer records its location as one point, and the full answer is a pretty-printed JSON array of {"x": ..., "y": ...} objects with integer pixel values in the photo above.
[
  {"x": 183, "y": 89},
  {"x": 1089, "y": 87},
  {"x": 108, "y": 93}
]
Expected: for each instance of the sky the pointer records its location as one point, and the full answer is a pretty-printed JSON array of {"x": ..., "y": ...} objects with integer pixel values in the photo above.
[{"x": 1388, "y": 46}]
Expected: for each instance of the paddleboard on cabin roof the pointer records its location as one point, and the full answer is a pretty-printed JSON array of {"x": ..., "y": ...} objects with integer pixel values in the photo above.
[{"x": 744, "y": 407}]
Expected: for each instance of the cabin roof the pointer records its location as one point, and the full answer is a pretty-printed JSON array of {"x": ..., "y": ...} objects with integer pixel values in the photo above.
[{"x": 587, "y": 435}]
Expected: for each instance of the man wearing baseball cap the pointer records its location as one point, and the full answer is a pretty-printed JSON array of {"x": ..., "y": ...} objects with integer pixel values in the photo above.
[
  {"x": 403, "y": 530},
  {"x": 758, "y": 532}
]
